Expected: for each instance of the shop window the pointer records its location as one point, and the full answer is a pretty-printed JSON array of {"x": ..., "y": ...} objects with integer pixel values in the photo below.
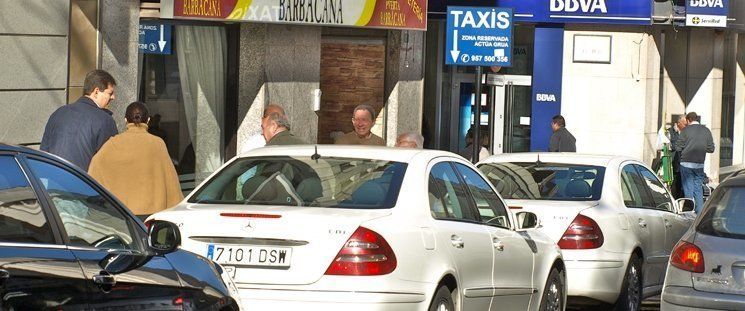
[
  {"x": 726, "y": 150},
  {"x": 187, "y": 94}
]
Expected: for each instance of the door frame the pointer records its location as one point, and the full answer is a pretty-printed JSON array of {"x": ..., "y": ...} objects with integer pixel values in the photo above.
[{"x": 501, "y": 102}]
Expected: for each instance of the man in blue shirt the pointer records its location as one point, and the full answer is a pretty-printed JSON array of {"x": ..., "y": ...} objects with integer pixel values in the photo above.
[{"x": 76, "y": 131}]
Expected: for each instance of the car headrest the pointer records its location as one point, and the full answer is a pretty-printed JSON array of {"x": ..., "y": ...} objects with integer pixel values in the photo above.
[
  {"x": 578, "y": 188},
  {"x": 310, "y": 189},
  {"x": 265, "y": 194},
  {"x": 370, "y": 192}
]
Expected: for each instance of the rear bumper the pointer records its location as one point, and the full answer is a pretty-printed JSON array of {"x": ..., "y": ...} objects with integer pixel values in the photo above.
[
  {"x": 286, "y": 299},
  {"x": 687, "y": 298},
  {"x": 599, "y": 280}
]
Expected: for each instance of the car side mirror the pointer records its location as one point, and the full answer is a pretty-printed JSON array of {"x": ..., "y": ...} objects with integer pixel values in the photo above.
[
  {"x": 164, "y": 237},
  {"x": 686, "y": 205},
  {"x": 527, "y": 220}
]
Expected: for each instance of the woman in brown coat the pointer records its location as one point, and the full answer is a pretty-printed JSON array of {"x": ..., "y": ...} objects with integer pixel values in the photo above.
[{"x": 136, "y": 168}]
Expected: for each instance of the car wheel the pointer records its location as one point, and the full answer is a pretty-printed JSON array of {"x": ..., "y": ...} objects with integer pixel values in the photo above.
[
  {"x": 630, "y": 298},
  {"x": 553, "y": 294},
  {"x": 443, "y": 300}
]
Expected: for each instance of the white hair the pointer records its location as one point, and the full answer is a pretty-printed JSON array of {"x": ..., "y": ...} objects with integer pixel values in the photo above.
[{"x": 414, "y": 136}]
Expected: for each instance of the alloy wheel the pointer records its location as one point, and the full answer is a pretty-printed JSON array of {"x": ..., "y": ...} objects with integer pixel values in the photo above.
[
  {"x": 633, "y": 292},
  {"x": 553, "y": 301}
]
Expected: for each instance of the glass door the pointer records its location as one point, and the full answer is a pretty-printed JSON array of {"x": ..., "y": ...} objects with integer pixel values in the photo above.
[{"x": 510, "y": 98}]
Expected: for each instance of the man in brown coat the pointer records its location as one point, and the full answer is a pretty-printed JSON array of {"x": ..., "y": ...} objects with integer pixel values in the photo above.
[
  {"x": 363, "y": 119},
  {"x": 275, "y": 127}
]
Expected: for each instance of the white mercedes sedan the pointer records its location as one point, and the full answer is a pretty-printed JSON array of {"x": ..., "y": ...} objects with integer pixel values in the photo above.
[
  {"x": 614, "y": 220},
  {"x": 368, "y": 228}
]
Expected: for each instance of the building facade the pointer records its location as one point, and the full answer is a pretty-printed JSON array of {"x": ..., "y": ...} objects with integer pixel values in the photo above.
[{"x": 617, "y": 70}]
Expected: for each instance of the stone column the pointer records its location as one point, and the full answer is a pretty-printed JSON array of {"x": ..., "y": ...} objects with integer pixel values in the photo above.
[
  {"x": 118, "y": 26},
  {"x": 404, "y": 86},
  {"x": 252, "y": 77}
]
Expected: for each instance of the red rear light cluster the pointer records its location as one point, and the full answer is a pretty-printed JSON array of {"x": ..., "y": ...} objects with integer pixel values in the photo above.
[
  {"x": 583, "y": 233},
  {"x": 364, "y": 253},
  {"x": 687, "y": 256},
  {"x": 148, "y": 223}
]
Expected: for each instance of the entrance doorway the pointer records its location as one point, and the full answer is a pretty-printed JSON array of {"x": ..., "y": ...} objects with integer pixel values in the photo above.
[
  {"x": 509, "y": 97},
  {"x": 505, "y": 112}
]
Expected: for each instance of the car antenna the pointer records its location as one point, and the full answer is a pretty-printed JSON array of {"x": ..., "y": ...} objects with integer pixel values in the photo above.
[
  {"x": 316, "y": 156},
  {"x": 538, "y": 161}
]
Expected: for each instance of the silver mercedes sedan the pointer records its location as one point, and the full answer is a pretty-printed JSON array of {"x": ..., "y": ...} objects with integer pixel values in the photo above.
[{"x": 707, "y": 267}]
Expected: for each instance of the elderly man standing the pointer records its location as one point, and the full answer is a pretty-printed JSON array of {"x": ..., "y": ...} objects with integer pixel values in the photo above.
[
  {"x": 363, "y": 119},
  {"x": 275, "y": 127},
  {"x": 410, "y": 140}
]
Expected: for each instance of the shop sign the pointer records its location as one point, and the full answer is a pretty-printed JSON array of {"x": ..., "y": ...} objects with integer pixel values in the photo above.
[
  {"x": 154, "y": 38},
  {"x": 707, "y": 13},
  {"x": 479, "y": 36},
  {"x": 390, "y": 14},
  {"x": 631, "y": 12}
]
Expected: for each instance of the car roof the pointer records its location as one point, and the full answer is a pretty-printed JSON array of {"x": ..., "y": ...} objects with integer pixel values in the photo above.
[
  {"x": 558, "y": 157},
  {"x": 405, "y": 155},
  {"x": 21, "y": 149},
  {"x": 734, "y": 181}
]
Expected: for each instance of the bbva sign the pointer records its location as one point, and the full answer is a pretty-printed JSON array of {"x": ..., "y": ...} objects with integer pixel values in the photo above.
[
  {"x": 706, "y": 3},
  {"x": 584, "y": 6}
]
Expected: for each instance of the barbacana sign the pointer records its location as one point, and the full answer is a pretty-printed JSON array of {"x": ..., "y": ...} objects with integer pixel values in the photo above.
[{"x": 391, "y": 14}]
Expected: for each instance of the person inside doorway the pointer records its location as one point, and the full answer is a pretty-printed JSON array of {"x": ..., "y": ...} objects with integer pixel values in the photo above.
[
  {"x": 363, "y": 119},
  {"x": 561, "y": 140},
  {"x": 484, "y": 153},
  {"x": 275, "y": 127}
]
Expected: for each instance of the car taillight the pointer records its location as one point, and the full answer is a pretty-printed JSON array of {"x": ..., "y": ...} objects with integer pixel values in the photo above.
[
  {"x": 148, "y": 223},
  {"x": 364, "y": 253},
  {"x": 583, "y": 233},
  {"x": 688, "y": 257}
]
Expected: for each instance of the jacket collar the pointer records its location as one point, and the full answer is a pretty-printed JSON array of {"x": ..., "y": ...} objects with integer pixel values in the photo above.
[
  {"x": 141, "y": 128},
  {"x": 90, "y": 102}
]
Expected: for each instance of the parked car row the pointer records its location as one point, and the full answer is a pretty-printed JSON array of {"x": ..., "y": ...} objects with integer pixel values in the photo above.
[{"x": 371, "y": 228}]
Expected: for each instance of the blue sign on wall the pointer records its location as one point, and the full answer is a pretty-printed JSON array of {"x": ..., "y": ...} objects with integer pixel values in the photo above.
[
  {"x": 707, "y": 13},
  {"x": 547, "y": 72},
  {"x": 633, "y": 12},
  {"x": 479, "y": 36},
  {"x": 155, "y": 38}
]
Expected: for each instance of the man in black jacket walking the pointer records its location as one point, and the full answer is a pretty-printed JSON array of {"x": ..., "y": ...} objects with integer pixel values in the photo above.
[
  {"x": 694, "y": 142},
  {"x": 76, "y": 131},
  {"x": 561, "y": 140}
]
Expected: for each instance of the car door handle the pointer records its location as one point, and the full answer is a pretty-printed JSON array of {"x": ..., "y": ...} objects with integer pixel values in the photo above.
[
  {"x": 104, "y": 280},
  {"x": 668, "y": 224},
  {"x": 497, "y": 244},
  {"x": 457, "y": 241},
  {"x": 642, "y": 223}
]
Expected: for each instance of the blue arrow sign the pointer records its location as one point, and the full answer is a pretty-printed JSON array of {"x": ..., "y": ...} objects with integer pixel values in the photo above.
[
  {"x": 155, "y": 38},
  {"x": 479, "y": 36}
]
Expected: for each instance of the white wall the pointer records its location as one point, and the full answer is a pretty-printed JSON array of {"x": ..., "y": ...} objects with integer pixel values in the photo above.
[{"x": 612, "y": 108}]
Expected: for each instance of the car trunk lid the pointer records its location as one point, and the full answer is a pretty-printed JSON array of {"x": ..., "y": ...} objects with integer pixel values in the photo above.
[
  {"x": 724, "y": 265},
  {"x": 310, "y": 236}
]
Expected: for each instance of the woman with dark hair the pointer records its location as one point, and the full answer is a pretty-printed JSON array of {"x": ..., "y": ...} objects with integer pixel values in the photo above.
[{"x": 136, "y": 168}]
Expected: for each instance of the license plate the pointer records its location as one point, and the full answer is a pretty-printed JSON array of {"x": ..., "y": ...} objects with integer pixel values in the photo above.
[{"x": 250, "y": 255}]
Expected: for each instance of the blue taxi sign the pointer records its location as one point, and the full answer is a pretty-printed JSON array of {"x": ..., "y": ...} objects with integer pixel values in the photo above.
[{"x": 479, "y": 36}]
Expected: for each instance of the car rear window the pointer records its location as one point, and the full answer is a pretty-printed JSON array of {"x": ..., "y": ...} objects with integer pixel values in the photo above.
[
  {"x": 545, "y": 181},
  {"x": 725, "y": 216},
  {"x": 302, "y": 181}
]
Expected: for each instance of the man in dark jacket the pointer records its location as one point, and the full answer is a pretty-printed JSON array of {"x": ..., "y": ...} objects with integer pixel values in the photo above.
[
  {"x": 694, "y": 142},
  {"x": 674, "y": 131},
  {"x": 561, "y": 140},
  {"x": 76, "y": 131},
  {"x": 276, "y": 127}
]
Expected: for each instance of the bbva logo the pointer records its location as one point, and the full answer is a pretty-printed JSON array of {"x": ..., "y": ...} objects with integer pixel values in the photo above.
[
  {"x": 545, "y": 97},
  {"x": 586, "y": 6},
  {"x": 706, "y": 3}
]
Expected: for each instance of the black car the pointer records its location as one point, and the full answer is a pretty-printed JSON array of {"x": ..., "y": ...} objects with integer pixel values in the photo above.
[{"x": 68, "y": 244}]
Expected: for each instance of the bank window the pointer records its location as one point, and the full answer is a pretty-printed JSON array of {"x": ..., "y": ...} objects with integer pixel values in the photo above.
[{"x": 186, "y": 93}]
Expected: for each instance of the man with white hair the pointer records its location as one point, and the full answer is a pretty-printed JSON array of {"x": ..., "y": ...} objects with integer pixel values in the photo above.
[{"x": 410, "y": 140}]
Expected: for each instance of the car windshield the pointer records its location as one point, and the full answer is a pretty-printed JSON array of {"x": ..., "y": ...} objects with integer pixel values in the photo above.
[
  {"x": 726, "y": 214},
  {"x": 302, "y": 181},
  {"x": 546, "y": 181}
]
